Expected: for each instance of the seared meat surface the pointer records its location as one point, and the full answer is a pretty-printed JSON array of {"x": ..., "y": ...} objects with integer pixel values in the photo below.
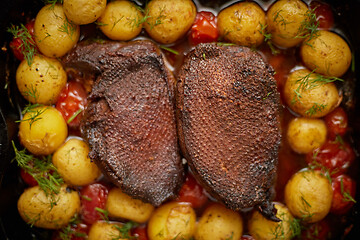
[
  {"x": 130, "y": 121},
  {"x": 228, "y": 122}
]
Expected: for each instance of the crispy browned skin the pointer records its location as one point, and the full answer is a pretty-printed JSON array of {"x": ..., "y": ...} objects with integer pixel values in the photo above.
[
  {"x": 228, "y": 122},
  {"x": 130, "y": 120}
]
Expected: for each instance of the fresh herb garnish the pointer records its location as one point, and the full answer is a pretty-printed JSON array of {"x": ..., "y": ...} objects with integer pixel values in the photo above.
[
  {"x": 346, "y": 195},
  {"x": 169, "y": 49},
  {"x": 309, "y": 27},
  {"x": 52, "y": 3},
  {"x": 124, "y": 231},
  {"x": 103, "y": 214},
  {"x": 74, "y": 116},
  {"x": 68, "y": 232},
  {"x": 68, "y": 27},
  {"x": 267, "y": 39}
]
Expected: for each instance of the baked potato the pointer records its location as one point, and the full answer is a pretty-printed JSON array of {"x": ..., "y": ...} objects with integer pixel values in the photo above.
[
  {"x": 106, "y": 231},
  {"x": 83, "y": 11}
]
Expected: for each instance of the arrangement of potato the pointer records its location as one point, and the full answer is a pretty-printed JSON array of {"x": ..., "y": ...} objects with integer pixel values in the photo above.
[
  {"x": 74, "y": 165},
  {"x": 121, "y": 20},
  {"x": 169, "y": 20},
  {"x": 42, "y": 130},
  {"x": 83, "y": 11},
  {"x": 172, "y": 220},
  {"x": 284, "y": 21},
  {"x": 105, "y": 231},
  {"x": 36, "y": 208},
  {"x": 263, "y": 229},
  {"x": 327, "y": 54},
  {"x": 121, "y": 205},
  {"x": 41, "y": 82},
  {"x": 218, "y": 222},
  {"x": 310, "y": 94},
  {"x": 242, "y": 24},
  {"x": 306, "y": 134},
  {"x": 55, "y": 35},
  {"x": 308, "y": 195}
]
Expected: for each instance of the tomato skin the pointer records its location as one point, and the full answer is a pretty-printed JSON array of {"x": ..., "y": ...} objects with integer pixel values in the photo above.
[
  {"x": 323, "y": 14},
  {"x": 334, "y": 156},
  {"x": 204, "y": 28},
  {"x": 27, "y": 178},
  {"x": 192, "y": 192},
  {"x": 16, "y": 43},
  {"x": 140, "y": 233},
  {"x": 316, "y": 231},
  {"x": 93, "y": 196},
  {"x": 340, "y": 204},
  {"x": 336, "y": 122},
  {"x": 72, "y": 99}
]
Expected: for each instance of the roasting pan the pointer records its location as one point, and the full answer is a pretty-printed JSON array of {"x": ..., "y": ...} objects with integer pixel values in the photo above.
[{"x": 347, "y": 16}]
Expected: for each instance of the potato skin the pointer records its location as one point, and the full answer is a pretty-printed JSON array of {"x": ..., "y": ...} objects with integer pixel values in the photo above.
[
  {"x": 54, "y": 34},
  {"x": 317, "y": 94},
  {"x": 35, "y": 207},
  {"x": 309, "y": 193},
  {"x": 73, "y": 163},
  {"x": 284, "y": 18},
  {"x": 169, "y": 19},
  {"x": 104, "y": 231},
  {"x": 327, "y": 54},
  {"x": 121, "y": 20},
  {"x": 218, "y": 222},
  {"x": 46, "y": 133},
  {"x": 121, "y": 205},
  {"x": 172, "y": 220},
  {"x": 242, "y": 24},
  {"x": 44, "y": 80},
  {"x": 264, "y": 229},
  {"x": 306, "y": 134},
  {"x": 83, "y": 11}
]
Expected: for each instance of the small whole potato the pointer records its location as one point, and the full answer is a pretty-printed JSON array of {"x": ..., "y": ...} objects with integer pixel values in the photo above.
[
  {"x": 55, "y": 35},
  {"x": 284, "y": 21},
  {"x": 218, "y": 222},
  {"x": 263, "y": 229},
  {"x": 42, "y": 130},
  {"x": 36, "y": 208},
  {"x": 121, "y": 205},
  {"x": 327, "y": 53},
  {"x": 309, "y": 94},
  {"x": 83, "y": 11},
  {"x": 121, "y": 20},
  {"x": 73, "y": 163},
  {"x": 172, "y": 220},
  {"x": 41, "y": 82},
  {"x": 308, "y": 195},
  {"x": 306, "y": 134},
  {"x": 106, "y": 231},
  {"x": 242, "y": 24},
  {"x": 169, "y": 20}
]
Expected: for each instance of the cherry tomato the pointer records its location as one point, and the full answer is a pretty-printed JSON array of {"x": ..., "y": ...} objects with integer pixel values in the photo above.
[
  {"x": 16, "y": 44},
  {"x": 192, "y": 193},
  {"x": 27, "y": 178},
  {"x": 93, "y": 197},
  {"x": 204, "y": 28},
  {"x": 71, "y": 103},
  {"x": 343, "y": 194},
  {"x": 74, "y": 232},
  {"x": 316, "y": 231},
  {"x": 335, "y": 156},
  {"x": 336, "y": 122},
  {"x": 140, "y": 233},
  {"x": 323, "y": 14}
]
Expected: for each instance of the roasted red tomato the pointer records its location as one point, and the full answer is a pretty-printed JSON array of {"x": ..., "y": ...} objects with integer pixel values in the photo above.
[
  {"x": 316, "y": 231},
  {"x": 140, "y": 233},
  {"x": 77, "y": 231},
  {"x": 192, "y": 192},
  {"x": 71, "y": 103},
  {"x": 93, "y": 200},
  {"x": 335, "y": 156},
  {"x": 204, "y": 28},
  {"x": 343, "y": 194},
  {"x": 323, "y": 14},
  {"x": 27, "y": 178},
  {"x": 336, "y": 122}
]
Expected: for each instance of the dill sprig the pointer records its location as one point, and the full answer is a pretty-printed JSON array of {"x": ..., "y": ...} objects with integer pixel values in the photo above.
[
  {"x": 52, "y": 2},
  {"x": 124, "y": 231},
  {"x": 169, "y": 49},
  {"x": 34, "y": 113},
  {"x": 158, "y": 20},
  {"x": 74, "y": 116},
  {"x": 28, "y": 45},
  {"x": 68, "y": 27},
  {"x": 347, "y": 196},
  {"x": 315, "y": 108},
  {"x": 267, "y": 38},
  {"x": 68, "y": 232},
  {"x": 309, "y": 27},
  {"x": 104, "y": 214}
]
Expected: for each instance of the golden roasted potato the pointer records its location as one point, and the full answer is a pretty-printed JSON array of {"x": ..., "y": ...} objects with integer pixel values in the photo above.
[
  {"x": 263, "y": 229},
  {"x": 306, "y": 134},
  {"x": 121, "y": 20},
  {"x": 169, "y": 20},
  {"x": 242, "y": 23},
  {"x": 308, "y": 195},
  {"x": 83, "y": 11},
  {"x": 37, "y": 208},
  {"x": 285, "y": 21},
  {"x": 310, "y": 94},
  {"x": 218, "y": 222},
  {"x": 42, "y": 130},
  {"x": 121, "y": 205},
  {"x": 172, "y": 220},
  {"x": 55, "y": 35},
  {"x": 73, "y": 163},
  {"x": 41, "y": 82},
  {"x": 106, "y": 231},
  {"x": 326, "y": 53}
]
